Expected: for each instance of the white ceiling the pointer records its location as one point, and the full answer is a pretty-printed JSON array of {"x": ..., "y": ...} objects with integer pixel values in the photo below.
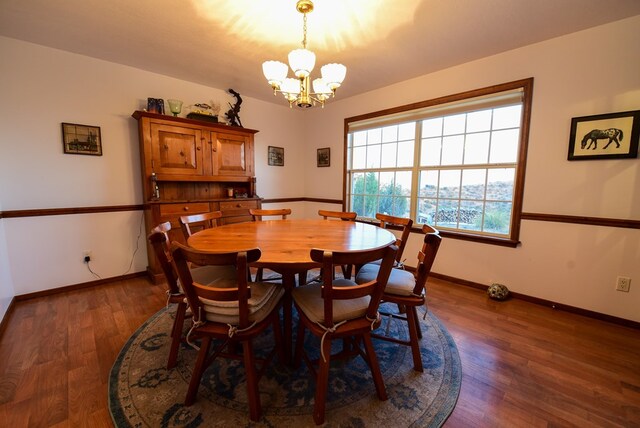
[{"x": 222, "y": 43}]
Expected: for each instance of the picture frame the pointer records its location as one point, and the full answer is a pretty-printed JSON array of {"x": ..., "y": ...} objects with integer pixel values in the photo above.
[
  {"x": 605, "y": 136},
  {"x": 275, "y": 156},
  {"x": 81, "y": 139},
  {"x": 324, "y": 157}
]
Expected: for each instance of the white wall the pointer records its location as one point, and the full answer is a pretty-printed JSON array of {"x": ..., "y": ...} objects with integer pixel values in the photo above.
[
  {"x": 6, "y": 282},
  {"x": 591, "y": 72},
  {"x": 42, "y": 87}
]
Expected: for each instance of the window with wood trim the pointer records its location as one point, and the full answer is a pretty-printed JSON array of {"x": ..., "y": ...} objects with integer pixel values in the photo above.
[{"x": 456, "y": 162}]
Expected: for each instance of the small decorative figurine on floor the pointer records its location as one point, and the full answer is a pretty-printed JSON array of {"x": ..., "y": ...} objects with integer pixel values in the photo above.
[
  {"x": 498, "y": 292},
  {"x": 232, "y": 115}
]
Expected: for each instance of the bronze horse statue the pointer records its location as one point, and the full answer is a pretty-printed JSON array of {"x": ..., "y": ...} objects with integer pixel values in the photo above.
[{"x": 598, "y": 134}]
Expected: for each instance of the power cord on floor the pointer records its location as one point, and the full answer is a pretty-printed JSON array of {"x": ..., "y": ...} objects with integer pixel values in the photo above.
[
  {"x": 91, "y": 270},
  {"x": 133, "y": 256}
]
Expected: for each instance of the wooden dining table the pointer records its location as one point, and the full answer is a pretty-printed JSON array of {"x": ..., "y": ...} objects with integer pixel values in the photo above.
[{"x": 286, "y": 244}]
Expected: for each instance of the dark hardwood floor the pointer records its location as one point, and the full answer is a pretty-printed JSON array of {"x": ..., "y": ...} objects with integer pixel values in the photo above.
[{"x": 524, "y": 365}]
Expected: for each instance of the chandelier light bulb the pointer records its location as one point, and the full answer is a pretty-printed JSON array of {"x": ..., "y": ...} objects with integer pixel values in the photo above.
[
  {"x": 275, "y": 72},
  {"x": 302, "y": 62},
  {"x": 333, "y": 74},
  {"x": 321, "y": 89}
]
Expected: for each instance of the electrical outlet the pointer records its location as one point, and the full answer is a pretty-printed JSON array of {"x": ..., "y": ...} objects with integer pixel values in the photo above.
[
  {"x": 623, "y": 283},
  {"x": 86, "y": 256}
]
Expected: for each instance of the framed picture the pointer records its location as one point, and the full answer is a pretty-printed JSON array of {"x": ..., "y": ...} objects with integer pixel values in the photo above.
[
  {"x": 605, "y": 136},
  {"x": 81, "y": 139},
  {"x": 275, "y": 156},
  {"x": 324, "y": 157}
]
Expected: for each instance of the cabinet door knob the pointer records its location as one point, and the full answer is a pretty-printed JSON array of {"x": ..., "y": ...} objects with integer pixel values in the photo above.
[
  {"x": 186, "y": 208},
  {"x": 198, "y": 148},
  {"x": 238, "y": 206}
]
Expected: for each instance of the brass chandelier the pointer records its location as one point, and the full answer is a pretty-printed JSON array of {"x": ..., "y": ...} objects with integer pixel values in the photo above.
[{"x": 298, "y": 90}]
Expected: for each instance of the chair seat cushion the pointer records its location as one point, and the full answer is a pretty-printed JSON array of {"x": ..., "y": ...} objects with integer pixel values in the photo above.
[
  {"x": 401, "y": 282},
  {"x": 264, "y": 297},
  {"x": 379, "y": 262},
  {"x": 309, "y": 300},
  {"x": 207, "y": 275}
]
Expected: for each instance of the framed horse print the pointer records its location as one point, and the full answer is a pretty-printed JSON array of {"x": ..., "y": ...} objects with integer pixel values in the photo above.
[{"x": 605, "y": 136}]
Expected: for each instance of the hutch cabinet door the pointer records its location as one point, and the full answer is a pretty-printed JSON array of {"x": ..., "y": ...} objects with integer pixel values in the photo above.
[
  {"x": 234, "y": 155},
  {"x": 176, "y": 150}
]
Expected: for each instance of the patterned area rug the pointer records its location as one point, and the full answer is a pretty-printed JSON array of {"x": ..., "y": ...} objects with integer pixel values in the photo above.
[{"x": 143, "y": 393}]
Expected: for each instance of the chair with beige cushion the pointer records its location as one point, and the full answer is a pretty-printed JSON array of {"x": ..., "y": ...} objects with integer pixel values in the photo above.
[
  {"x": 408, "y": 291},
  {"x": 193, "y": 223},
  {"x": 233, "y": 311},
  {"x": 160, "y": 244},
  {"x": 341, "y": 309}
]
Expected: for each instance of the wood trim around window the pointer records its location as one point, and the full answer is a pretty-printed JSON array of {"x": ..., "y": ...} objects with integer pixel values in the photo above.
[{"x": 527, "y": 98}]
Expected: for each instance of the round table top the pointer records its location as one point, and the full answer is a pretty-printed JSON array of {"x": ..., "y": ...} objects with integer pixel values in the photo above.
[{"x": 287, "y": 243}]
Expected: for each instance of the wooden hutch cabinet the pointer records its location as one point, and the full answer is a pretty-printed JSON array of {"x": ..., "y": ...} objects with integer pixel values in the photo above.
[{"x": 193, "y": 164}]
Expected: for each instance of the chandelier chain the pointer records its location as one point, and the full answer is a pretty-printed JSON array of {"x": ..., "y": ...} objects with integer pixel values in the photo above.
[{"x": 304, "y": 30}]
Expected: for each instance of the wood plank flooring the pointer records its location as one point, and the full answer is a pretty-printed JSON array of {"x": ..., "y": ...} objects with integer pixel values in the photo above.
[{"x": 524, "y": 365}]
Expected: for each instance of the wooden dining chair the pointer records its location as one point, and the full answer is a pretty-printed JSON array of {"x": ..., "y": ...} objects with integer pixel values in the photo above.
[
  {"x": 234, "y": 312},
  {"x": 386, "y": 221},
  {"x": 404, "y": 222},
  {"x": 341, "y": 309},
  {"x": 408, "y": 291},
  {"x": 342, "y": 215},
  {"x": 158, "y": 238},
  {"x": 257, "y": 215},
  {"x": 195, "y": 222}
]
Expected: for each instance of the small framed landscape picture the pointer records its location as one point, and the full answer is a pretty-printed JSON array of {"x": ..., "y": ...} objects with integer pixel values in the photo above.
[
  {"x": 81, "y": 139},
  {"x": 275, "y": 156},
  {"x": 324, "y": 157},
  {"x": 605, "y": 136}
]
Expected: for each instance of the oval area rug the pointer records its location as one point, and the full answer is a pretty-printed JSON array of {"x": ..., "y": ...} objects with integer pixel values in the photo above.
[{"x": 143, "y": 393}]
